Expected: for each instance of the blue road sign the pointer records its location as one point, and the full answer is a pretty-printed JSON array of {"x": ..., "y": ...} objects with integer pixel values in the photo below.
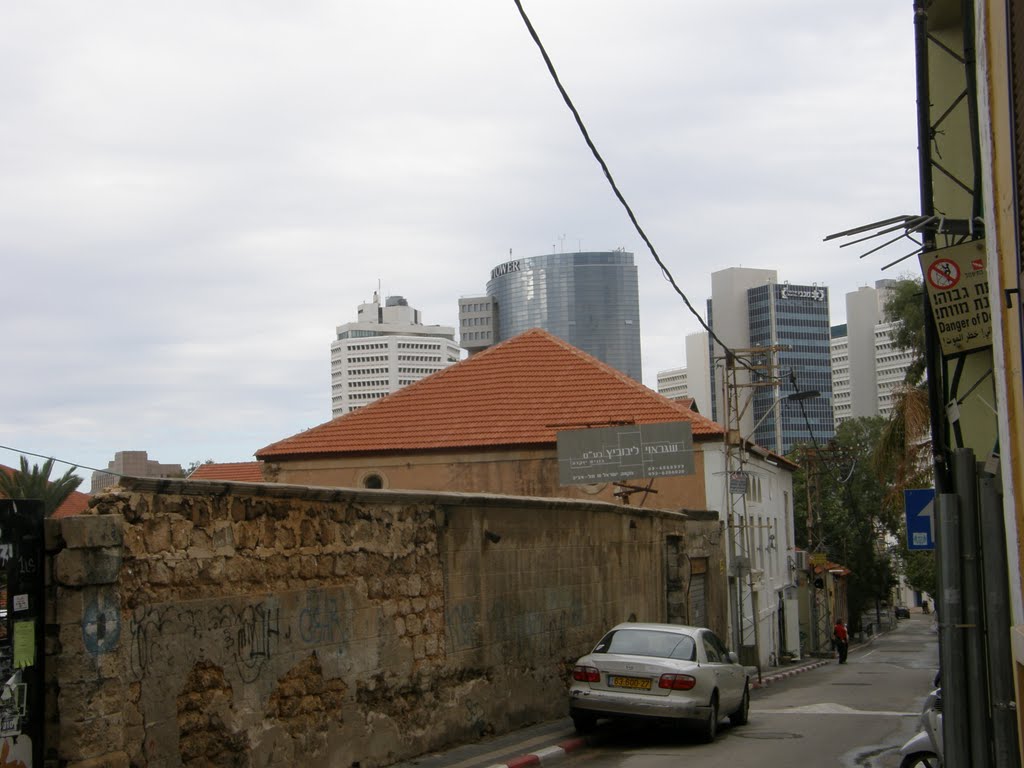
[{"x": 919, "y": 506}]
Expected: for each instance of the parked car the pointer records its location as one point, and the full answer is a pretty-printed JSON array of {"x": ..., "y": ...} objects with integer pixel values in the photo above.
[
  {"x": 902, "y": 612},
  {"x": 664, "y": 672}
]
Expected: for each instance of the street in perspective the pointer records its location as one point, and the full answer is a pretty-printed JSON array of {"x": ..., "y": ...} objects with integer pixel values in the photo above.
[{"x": 854, "y": 715}]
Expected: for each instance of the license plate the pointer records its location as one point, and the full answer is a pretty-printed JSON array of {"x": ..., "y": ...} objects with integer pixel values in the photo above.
[{"x": 636, "y": 683}]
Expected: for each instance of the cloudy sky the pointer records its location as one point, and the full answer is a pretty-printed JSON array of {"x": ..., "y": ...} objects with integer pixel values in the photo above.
[{"x": 193, "y": 195}]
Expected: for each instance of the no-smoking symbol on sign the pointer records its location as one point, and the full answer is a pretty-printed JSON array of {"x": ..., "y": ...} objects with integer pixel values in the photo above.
[{"x": 943, "y": 274}]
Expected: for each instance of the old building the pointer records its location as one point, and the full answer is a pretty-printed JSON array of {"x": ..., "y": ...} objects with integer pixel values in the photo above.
[{"x": 490, "y": 424}]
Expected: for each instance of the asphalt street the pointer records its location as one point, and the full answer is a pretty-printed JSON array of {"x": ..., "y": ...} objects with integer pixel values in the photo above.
[{"x": 815, "y": 711}]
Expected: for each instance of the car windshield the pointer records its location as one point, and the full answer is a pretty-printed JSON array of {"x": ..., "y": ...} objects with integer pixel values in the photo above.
[{"x": 648, "y": 642}]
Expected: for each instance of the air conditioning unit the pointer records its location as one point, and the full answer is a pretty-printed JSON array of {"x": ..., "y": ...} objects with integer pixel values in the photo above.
[{"x": 800, "y": 561}]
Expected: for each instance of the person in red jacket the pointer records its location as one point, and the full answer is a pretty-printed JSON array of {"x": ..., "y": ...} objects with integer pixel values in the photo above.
[{"x": 841, "y": 638}]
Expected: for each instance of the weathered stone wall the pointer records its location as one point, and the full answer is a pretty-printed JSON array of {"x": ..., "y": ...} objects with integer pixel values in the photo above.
[{"x": 200, "y": 623}]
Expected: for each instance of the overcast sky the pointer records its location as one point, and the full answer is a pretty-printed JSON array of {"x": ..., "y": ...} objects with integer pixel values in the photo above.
[{"x": 194, "y": 195}]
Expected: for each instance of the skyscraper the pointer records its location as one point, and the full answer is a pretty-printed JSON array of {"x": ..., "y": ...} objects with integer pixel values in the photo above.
[
  {"x": 748, "y": 310},
  {"x": 386, "y": 348},
  {"x": 589, "y": 299}
]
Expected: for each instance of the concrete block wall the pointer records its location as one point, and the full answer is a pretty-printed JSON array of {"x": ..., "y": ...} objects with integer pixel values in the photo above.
[{"x": 198, "y": 623}]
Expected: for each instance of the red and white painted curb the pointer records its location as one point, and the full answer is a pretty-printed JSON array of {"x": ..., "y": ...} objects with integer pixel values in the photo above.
[
  {"x": 544, "y": 756},
  {"x": 773, "y": 678},
  {"x": 560, "y": 750}
]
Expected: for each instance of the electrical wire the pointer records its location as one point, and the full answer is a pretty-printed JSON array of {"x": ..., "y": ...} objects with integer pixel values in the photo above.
[
  {"x": 71, "y": 464},
  {"x": 666, "y": 273}
]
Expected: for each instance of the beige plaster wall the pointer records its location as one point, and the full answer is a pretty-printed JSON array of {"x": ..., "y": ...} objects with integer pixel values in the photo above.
[
  {"x": 196, "y": 623},
  {"x": 514, "y": 472}
]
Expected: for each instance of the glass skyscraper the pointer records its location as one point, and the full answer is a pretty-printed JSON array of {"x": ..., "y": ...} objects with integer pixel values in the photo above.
[
  {"x": 796, "y": 318},
  {"x": 589, "y": 299},
  {"x": 752, "y": 313}
]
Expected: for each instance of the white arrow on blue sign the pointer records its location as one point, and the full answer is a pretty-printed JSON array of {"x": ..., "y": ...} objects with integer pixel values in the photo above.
[{"x": 919, "y": 506}]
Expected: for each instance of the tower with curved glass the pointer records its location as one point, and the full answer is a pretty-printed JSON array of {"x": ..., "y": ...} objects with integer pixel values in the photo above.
[{"x": 589, "y": 299}]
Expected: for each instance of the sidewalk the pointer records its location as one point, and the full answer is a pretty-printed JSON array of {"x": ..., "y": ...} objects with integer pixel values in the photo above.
[{"x": 548, "y": 742}]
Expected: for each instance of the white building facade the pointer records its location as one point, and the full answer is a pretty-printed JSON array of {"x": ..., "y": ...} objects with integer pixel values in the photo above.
[
  {"x": 386, "y": 348},
  {"x": 866, "y": 366},
  {"x": 755, "y": 497},
  {"x": 676, "y": 383}
]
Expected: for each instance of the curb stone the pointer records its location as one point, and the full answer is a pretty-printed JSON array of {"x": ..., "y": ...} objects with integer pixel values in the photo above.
[
  {"x": 767, "y": 680},
  {"x": 549, "y": 755},
  {"x": 544, "y": 756}
]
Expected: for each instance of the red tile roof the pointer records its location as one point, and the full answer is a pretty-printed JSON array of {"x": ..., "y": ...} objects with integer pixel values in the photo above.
[
  {"x": 517, "y": 393},
  {"x": 75, "y": 504},
  {"x": 241, "y": 471}
]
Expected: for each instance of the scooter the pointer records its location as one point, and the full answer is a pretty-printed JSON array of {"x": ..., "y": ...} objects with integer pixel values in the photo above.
[{"x": 925, "y": 749}]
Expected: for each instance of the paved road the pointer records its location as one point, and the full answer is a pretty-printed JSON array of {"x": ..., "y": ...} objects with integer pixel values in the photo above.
[{"x": 855, "y": 715}]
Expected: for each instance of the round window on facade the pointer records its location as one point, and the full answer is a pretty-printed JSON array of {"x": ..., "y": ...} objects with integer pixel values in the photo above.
[{"x": 372, "y": 480}]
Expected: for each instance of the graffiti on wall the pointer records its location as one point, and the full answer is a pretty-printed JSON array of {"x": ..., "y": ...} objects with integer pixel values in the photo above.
[
  {"x": 245, "y": 634},
  {"x": 524, "y": 633}
]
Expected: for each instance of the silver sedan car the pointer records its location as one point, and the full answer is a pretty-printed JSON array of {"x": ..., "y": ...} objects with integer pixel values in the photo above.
[{"x": 660, "y": 671}]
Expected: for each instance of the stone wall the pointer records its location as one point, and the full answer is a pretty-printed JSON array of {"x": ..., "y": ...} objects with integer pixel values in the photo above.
[{"x": 201, "y": 623}]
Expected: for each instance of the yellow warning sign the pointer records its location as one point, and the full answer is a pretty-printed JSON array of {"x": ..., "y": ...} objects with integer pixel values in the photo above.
[{"x": 957, "y": 282}]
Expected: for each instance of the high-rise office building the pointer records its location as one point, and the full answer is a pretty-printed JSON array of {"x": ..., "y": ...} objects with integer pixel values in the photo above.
[
  {"x": 589, "y": 299},
  {"x": 386, "y": 348},
  {"x": 866, "y": 366},
  {"x": 750, "y": 310}
]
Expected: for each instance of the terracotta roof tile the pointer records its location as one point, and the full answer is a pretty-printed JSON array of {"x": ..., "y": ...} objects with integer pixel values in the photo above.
[
  {"x": 520, "y": 392},
  {"x": 242, "y": 471},
  {"x": 75, "y": 504}
]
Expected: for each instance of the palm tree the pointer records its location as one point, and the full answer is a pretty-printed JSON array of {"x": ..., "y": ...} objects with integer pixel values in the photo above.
[{"x": 35, "y": 483}]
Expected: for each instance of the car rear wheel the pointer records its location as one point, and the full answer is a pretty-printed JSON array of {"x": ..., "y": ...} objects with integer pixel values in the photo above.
[
  {"x": 584, "y": 722},
  {"x": 742, "y": 715},
  {"x": 709, "y": 728},
  {"x": 921, "y": 760}
]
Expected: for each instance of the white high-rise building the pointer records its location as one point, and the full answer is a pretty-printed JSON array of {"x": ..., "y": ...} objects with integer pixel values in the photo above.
[
  {"x": 866, "y": 367},
  {"x": 386, "y": 348},
  {"x": 672, "y": 383},
  {"x": 676, "y": 383}
]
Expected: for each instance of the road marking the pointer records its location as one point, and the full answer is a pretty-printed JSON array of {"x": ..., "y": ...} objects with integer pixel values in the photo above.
[{"x": 832, "y": 709}]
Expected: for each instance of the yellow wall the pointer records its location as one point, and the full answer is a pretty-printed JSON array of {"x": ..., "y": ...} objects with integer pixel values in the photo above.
[{"x": 1003, "y": 247}]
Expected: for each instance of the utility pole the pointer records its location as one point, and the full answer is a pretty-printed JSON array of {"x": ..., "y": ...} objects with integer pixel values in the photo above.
[
  {"x": 759, "y": 361},
  {"x": 819, "y": 618}
]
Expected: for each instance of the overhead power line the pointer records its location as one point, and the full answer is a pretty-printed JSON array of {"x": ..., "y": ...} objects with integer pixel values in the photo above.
[
  {"x": 72, "y": 464},
  {"x": 615, "y": 187}
]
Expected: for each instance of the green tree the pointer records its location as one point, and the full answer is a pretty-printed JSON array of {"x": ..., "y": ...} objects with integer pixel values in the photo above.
[
  {"x": 35, "y": 483},
  {"x": 852, "y": 522},
  {"x": 903, "y": 457},
  {"x": 919, "y": 569},
  {"x": 905, "y": 308}
]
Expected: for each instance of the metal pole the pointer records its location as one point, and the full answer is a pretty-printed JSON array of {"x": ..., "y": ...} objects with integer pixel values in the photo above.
[
  {"x": 933, "y": 357},
  {"x": 997, "y": 624},
  {"x": 965, "y": 475},
  {"x": 951, "y": 647},
  {"x": 812, "y": 591}
]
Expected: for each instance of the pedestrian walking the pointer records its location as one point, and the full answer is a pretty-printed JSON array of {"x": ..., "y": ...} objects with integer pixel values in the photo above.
[{"x": 841, "y": 639}]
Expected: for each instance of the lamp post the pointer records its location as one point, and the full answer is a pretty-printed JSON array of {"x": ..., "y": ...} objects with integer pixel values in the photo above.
[{"x": 745, "y": 537}]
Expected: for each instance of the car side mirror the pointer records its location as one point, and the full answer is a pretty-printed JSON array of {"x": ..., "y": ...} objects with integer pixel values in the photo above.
[{"x": 733, "y": 657}]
